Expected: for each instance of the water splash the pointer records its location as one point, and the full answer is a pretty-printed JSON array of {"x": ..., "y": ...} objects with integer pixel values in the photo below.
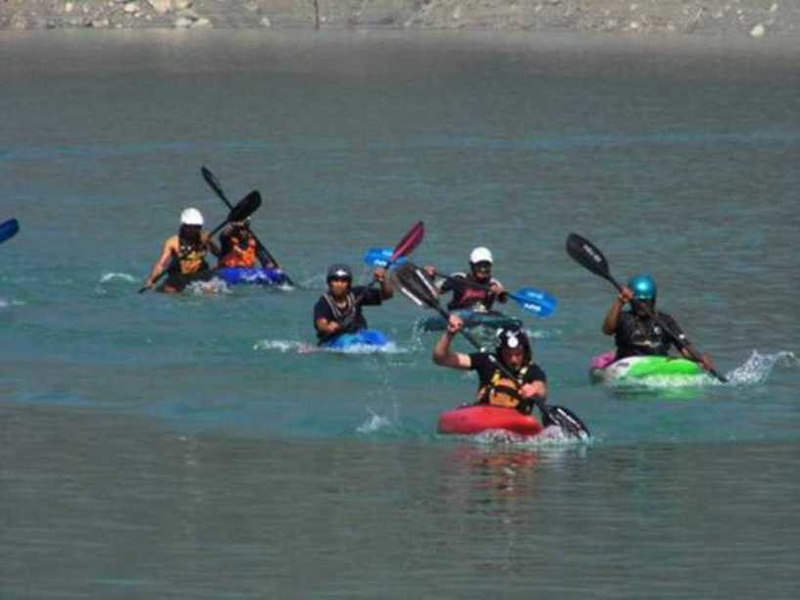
[
  {"x": 758, "y": 367},
  {"x": 284, "y": 346},
  {"x": 374, "y": 423},
  {"x": 212, "y": 286},
  {"x": 112, "y": 276}
]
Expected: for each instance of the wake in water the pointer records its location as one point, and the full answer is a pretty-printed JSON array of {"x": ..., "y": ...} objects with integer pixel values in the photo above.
[{"x": 285, "y": 346}]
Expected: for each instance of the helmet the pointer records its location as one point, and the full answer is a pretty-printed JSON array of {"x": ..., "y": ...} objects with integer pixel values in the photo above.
[
  {"x": 480, "y": 254},
  {"x": 513, "y": 337},
  {"x": 192, "y": 216},
  {"x": 643, "y": 286},
  {"x": 339, "y": 270}
]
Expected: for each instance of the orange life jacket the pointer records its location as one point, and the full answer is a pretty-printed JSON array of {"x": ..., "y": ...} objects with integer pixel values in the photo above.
[{"x": 245, "y": 257}]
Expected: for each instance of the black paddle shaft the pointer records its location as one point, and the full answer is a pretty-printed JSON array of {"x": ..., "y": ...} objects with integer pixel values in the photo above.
[
  {"x": 588, "y": 255},
  {"x": 263, "y": 254}
]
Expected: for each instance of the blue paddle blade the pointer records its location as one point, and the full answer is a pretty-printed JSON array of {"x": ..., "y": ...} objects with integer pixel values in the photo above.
[
  {"x": 537, "y": 302},
  {"x": 8, "y": 229},
  {"x": 379, "y": 257}
]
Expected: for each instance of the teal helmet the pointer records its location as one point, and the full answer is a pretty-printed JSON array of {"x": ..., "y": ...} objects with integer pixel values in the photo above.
[{"x": 643, "y": 287}]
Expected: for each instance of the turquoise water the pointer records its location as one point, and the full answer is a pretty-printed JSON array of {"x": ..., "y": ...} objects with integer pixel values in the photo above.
[{"x": 159, "y": 446}]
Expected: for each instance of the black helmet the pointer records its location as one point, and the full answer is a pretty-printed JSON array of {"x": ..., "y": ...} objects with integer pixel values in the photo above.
[
  {"x": 513, "y": 337},
  {"x": 339, "y": 271}
]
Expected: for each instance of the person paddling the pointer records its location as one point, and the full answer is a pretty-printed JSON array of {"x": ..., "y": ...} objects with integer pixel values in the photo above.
[
  {"x": 338, "y": 311},
  {"x": 486, "y": 289},
  {"x": 184, "y": 255},
  {"x": 637, "y": 331},
  {"x": 238, "y": 246},
  {"x": 514, "y": 352}
]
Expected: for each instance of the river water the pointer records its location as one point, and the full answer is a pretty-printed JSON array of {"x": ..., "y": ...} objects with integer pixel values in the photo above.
[{"x": 191, "y": 446}]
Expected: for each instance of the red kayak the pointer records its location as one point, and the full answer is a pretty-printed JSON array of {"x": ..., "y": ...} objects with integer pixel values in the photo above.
[{"x": 475, "y": 418}]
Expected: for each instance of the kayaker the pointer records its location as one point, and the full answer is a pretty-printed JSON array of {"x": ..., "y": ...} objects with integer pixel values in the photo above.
[
  {"x": 636, "y": 330},
  {"x": 466, "y": 296},
  {"x": 237, "y": 246},
  {"x": 338, "y": 311},
  {"x": 514, "y": 351},
  {"x": 183, "y": 255}
]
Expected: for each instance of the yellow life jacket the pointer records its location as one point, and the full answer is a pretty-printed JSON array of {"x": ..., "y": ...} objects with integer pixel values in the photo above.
[
  {"x": 502, "y": 391},
  {"x": 191, "y": 258}
]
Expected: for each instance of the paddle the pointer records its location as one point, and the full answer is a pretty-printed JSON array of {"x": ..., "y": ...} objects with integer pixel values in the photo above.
[
  {"x": 414, "y": 283},
  {"x": 8, "y": 229},
  {"x": 589, "y": 256},
  {"x": 532, "y": 300},
  {"x": 263, "y": 254},
  {"x": 404, "y": 247},
  {"x": 246, "y": 207}
]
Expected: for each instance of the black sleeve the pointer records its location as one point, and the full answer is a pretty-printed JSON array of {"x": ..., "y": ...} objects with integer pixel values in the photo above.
[
  {"x": 370, "y": 296},
  {"x": 535, "y": 373},
  {"x": 451, "y": 283},
  {"x": 322, "y": 310}
]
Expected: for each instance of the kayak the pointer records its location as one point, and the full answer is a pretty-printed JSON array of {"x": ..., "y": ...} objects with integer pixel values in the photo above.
[
  {"x": 371, "y": 338},
  {"x": 475, "y": 418},
  {"x": 603, "y": 368},
  {"x": 251, "y": 275},
  {"x": 472, "y": 318}
]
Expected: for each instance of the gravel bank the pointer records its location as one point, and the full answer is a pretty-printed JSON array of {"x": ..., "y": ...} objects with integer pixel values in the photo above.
[{"x": 754, "y": 18}]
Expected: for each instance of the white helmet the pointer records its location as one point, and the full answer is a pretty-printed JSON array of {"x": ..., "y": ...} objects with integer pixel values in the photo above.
[
  {"x": 192, "y": 216},
  {"x": 480, "y": 254}
]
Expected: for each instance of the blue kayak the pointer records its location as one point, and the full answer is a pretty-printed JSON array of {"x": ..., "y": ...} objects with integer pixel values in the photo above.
[
  {"x": 251, "y": 276},
  {"x": 365, "y": 338}
]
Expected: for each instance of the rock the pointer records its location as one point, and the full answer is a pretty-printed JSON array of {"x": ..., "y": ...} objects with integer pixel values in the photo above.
[
  {"x": 265, "y": 22},
  {"x": 161, "y": 6},
  {"x": 68, "y": 7},
  {"x": 202, "y": 22},
  {"x": 774, "y": 7},
  {"x": 183, "y": 23},
  {"x": 131, "y": 7},
  {"x": 183, "y": 4},
  {"x": 99, "y": 23},
  {"x": 758, "y": 31}
]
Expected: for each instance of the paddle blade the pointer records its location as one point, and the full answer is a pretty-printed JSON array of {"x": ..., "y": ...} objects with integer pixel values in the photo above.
[
  {"x": 535, "y": 301},
  {"x": 416, "y": 286},
  {"x": 8, "y": 229},
  {"x": 585, "y": 253},
  {"x": 246, "y": 207},
  {"x": 214, "y": 184},
  {"x": 410, "y": 241},
  {"x": 567, "y": 420},
  {"x": 381, "y": 257}
]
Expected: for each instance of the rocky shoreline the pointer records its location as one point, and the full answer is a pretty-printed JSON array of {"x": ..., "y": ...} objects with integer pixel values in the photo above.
[{"x": 753, "y": 18}]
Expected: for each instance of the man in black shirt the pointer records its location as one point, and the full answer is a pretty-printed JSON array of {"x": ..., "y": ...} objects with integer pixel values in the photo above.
[
  {"x": 338, "y": 311},
  {"x": 642, "y": 330},
  {"x": 513, "y": 352}
]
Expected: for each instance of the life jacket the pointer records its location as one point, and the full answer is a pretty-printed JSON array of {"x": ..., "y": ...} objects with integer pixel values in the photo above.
[
  {"x": 348, "y": 313},
  {"x": 190, "y": 258},
  {"x": 502, "y": 391},
  {"x": 247, "y": 257},
  {"x": 465, "y": 296},
  {"x": 642, "y": 336}
]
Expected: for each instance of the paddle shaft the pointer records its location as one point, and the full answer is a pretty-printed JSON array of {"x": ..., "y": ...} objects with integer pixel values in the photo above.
[{"x": 263, "y": 254}]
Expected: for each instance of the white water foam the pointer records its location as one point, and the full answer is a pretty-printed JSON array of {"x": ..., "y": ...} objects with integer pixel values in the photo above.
[
  {"x": 284, "y": 346},
  {"x": 114, "y": 276},
  {"x": 212, "y": 286},
  {"x": 374, "y": 423},
  {"x": 759, "y": 367}
]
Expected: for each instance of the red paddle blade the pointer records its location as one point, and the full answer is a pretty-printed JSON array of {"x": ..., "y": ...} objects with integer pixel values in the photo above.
[{"x": 410, "y": 241}]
